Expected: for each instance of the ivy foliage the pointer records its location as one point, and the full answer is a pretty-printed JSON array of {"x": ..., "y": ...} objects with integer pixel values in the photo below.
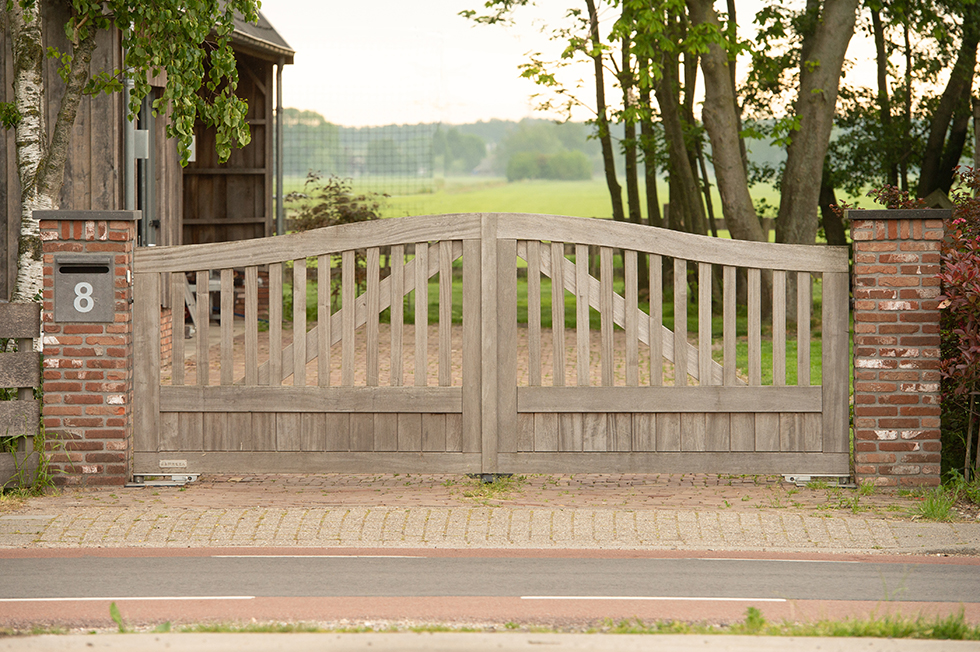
[{"x": 189, "y": 41}]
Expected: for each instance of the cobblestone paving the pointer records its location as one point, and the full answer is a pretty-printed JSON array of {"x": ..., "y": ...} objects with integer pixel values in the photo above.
[{"x": 691, "y": 512}]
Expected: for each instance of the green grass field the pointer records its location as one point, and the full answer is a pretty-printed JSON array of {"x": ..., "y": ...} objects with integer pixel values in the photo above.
[{"x": 495, "y": 194}]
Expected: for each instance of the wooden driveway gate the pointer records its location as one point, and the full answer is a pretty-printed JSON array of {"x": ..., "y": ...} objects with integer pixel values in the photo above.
[{"x": 490, "y": 386}]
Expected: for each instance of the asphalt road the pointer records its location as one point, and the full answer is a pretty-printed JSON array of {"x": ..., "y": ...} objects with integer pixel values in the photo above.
[
  {"x": 407, "y": 576},
  {"x": 439, "y": 586}
]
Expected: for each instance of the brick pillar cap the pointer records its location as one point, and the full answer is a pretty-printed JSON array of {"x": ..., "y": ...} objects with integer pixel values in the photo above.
[
  {"x": 90, "y": 216},
  {"x": 898, "y": 214}
]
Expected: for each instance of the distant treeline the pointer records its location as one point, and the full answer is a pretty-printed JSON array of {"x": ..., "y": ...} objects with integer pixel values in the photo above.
[{"x": 528, "y": 149}]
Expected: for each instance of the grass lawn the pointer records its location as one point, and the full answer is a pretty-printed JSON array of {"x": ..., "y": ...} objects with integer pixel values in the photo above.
[{"x": 717, "y": 323}]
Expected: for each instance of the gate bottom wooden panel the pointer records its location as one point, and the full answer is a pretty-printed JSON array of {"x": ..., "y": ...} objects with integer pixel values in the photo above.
[
  {"x": 699, "y": 462},
  {"x": 307, "y": 462}
]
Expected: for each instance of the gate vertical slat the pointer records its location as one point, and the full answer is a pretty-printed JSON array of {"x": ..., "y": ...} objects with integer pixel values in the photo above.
[
  {"x": 656, "y": 310},
  {"x": 489, "y": 343},
  {"x": 835, "y": 362},
  {"x": 445, "y": 313},
  {"x": 606, "y": 314},
  {"x": 804, "y": 291},
  {"x": 323, "y": 318},
  {"x": 202, "y": 281},
  {"x": 348, "y": 289},
  {"x": 704, "y": 324},
  {"x": 680, "y": 322},
  {"x": 779, "y": 327},
  {"x": 373, "y": 303},
  {"x": 146, "y": 376},
  {"x": 275, "y": 324},
  {"x": 299, "y": 322},
  {"x": 534, "y": 312},
  {"x": 507, "y": 434},
  {"x": 755, "y": 327},
  {"x": 558, "y": 313},
  {"x": 177, "y": 300},
  {"x": 729, "y": 330},
  {"x": 473, "y": 415},
  {"x": 582, "y": 314},
  {"x": 227, "y": 326},
  {"x": 632, "y": 320},
  {"x": 421, "y": 314},
  {"x": 397, "y": 289},
  {"x": 251, "y": 326}
]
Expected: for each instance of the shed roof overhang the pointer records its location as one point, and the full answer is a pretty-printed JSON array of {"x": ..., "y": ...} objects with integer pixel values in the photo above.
[{"x": 261, "y": 40}]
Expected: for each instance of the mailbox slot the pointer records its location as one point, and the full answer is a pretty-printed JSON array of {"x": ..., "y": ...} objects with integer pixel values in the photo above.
[{"x": 84, "y": 288}]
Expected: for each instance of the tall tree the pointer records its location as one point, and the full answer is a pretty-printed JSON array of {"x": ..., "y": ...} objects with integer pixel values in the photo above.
[
  {"x": 722, "y": 123},
  {"x": 825, "y": 39},
  {"x": 953, "y": 112},
  {"x": 187, "y": 39}
]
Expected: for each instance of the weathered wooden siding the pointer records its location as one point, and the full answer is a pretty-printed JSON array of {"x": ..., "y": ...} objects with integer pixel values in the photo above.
[
  {"x": 94, "y": 175},
  {"x": 233, "y": 200}
]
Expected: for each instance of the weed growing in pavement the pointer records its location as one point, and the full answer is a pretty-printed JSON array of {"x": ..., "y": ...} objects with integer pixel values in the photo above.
[
  {"x": 117, "y": 617},
  {"x": 500, "y": 489},
  {"x": 937, "y": 505}
]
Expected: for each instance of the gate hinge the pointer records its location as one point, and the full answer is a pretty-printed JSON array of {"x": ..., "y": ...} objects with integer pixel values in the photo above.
[
  {"x": 162, "y": 479},
  {"x": 802, "y": 480}
]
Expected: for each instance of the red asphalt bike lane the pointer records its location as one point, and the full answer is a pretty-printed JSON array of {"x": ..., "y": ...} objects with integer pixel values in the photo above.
[{"x": 456, "y": 609}]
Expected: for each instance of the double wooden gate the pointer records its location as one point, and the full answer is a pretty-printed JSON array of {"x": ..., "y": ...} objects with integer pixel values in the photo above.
[{"x": 493, "y": 343}]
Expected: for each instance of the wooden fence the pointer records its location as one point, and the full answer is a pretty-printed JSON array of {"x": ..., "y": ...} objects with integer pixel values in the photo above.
[{"x": 20, "y": 370}]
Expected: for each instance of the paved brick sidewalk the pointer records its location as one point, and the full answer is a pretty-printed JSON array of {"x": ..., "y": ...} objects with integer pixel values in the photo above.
[{"x": 696, "y": 512}]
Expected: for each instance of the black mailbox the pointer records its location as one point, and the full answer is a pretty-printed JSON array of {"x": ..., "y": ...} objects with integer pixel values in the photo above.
[{"x": 84, "y": 288}]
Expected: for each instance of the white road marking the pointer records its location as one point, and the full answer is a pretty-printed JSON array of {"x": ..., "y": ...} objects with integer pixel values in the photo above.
[
  {"x": 646, "y": 597},
  {"x": 143, "y": 598},
  {"x": 794, "y": 561}
]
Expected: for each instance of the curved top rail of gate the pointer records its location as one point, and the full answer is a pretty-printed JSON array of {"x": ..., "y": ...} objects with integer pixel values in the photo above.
[{"x": 523, "y": 226}]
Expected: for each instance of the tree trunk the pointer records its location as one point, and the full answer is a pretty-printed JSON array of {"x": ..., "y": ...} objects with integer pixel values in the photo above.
[
  {"x": 602, "y": 120},
  {"x": 820, "y": 71},
  {"x": 957, "y": 140},
  {"x": 884, "y": 101},
  {"x": 40, "y": 162},
  {"x": 833, "y": 226},
  {"x": 684, "y": 197},
  {"x": 721, "y": 123},
  {"x": 626, "y": 82},
  {"x": 648, "y": 147},
  {"x": 930, "y": 177}
]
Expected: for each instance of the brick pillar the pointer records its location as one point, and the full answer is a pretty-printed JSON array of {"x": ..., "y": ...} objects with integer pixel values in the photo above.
[
  {"x": 88, "y": 364},
  {"x": 896, "y": 346}
]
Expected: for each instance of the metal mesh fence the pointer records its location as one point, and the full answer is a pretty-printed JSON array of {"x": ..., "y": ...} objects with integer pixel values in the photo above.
[{"x": 396, "y": 160}]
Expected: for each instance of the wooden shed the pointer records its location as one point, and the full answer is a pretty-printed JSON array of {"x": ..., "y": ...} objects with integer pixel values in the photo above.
[{"x": 115, "y": 164}]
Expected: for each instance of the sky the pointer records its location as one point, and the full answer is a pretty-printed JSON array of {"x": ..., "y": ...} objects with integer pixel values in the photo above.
[
  {"x": 398, "y": 62},
  {"x": 377, "y": 62}
]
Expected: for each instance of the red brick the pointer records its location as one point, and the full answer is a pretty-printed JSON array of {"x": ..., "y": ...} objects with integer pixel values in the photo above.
[
  {"x": 874, "y": 458},
  {"x": 83, "y": 328},
  {"x": 897, "y": 446},
  {"x": 85, "y": 445},
  {"x": 930, "y": 411},
  {"x": 105, "y": 457},
  {"x": 85, "y": 399},
  {"x": 865, "y": 411}
]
